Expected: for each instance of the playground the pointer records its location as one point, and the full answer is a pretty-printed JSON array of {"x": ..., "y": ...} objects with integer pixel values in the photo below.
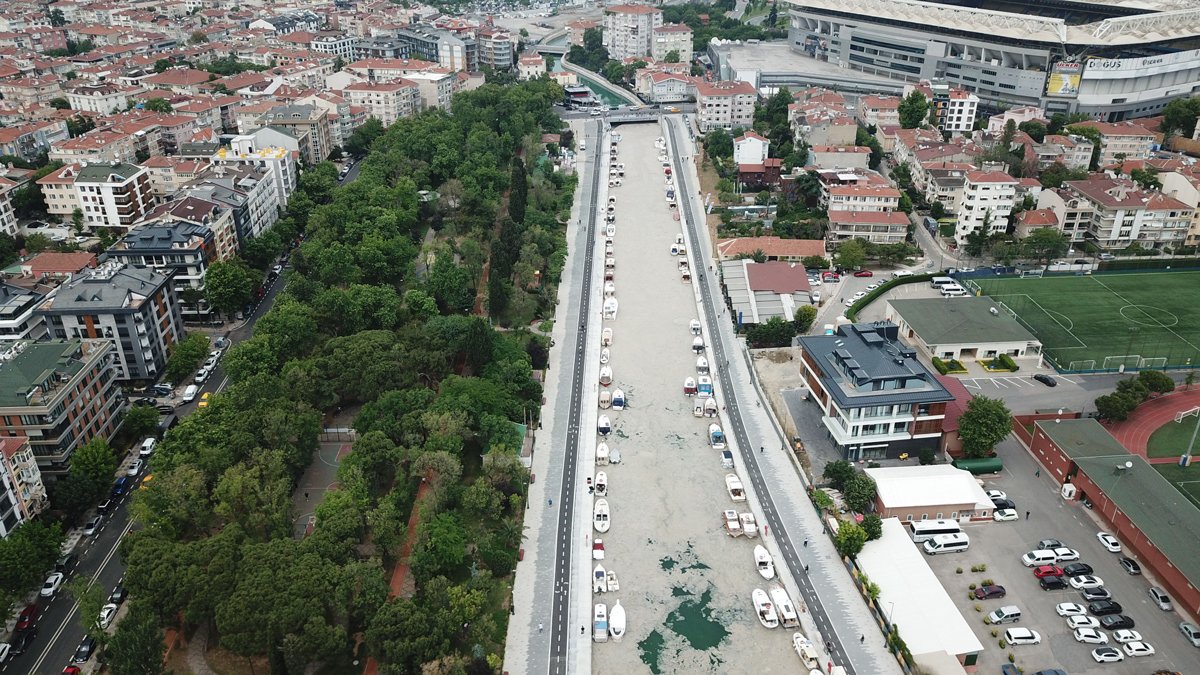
[{"x": 1105, "y": 322}]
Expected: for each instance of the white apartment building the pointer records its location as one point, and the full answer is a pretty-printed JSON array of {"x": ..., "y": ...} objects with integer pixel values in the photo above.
[
  {"x": 1029, "y": 113},
  {"x": 1185, "y": 186},
  {"x": 629, "y": 30},
  {"x": 664, "y": 87},
  {"x": 113, "y": 195},
  {"x": 385, "y": 101},
  {"x": 750, "y": 148},
  {"x": 672, "y": 37},
  {"x": 1121, "y": 140},
  {"x": 279, "y": 161},
  {"x": 876, "y": 198},
  {"x": 950, "y": 109},
  {"x": 58, "y": 189},
  {"x": 8, "y": 217},
  {"x": 22, "y": 494},
  {"x": 1123, "y": 214},
  {"x": 531, "y": 67},
  {"x": 335, "y": 44},
  {"x": 988, "y": 198},
  {"x": 878, "y": 111},
  {"x": 103, "y": 98},
  {"x": 725, "y": 105},
  {"x": 1072, "y": 213}
]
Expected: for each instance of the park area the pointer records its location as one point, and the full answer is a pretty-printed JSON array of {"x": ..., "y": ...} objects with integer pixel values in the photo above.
[{"x": 1103, "y": 322}]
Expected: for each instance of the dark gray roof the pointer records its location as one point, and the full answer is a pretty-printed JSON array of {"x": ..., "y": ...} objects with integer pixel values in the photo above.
[
  {"x": 160, "y": 236},
  {"x": 103, "y": 172},
  {"x": 961, "y": 321},
  {"x": 109, "y": 287},
  {"x": 859, "y": 355},
  {"x": 15, "y": 300}
]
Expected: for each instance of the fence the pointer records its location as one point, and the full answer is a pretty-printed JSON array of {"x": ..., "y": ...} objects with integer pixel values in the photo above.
[{"x": 1127, "y": 363}]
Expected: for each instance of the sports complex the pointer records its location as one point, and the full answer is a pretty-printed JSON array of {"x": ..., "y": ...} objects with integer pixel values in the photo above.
[{"x": 1103, "y": 322}]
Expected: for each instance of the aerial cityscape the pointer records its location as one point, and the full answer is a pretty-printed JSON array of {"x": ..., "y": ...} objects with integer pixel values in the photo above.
[{"x": 514, "y": 336}]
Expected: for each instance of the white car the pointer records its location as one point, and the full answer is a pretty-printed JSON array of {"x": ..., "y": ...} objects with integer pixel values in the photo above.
[
  {"x": 135, "y": 468},
  {"x": 1085, "y": 581},
  {"x": 872, "y": 286},
  {"x": 814, "y": 281},
  {"x": 1065, "y": 554},
  {"x": 1109, "y": 542},
  {"x": 1091, "y": 636},
  {"x": 1080, "y": 621},
  {"x": 53, "y": 582},
  {"x": 859, "y": 295},
  {"x": 1070, "y": 609},
  {"x": 106, "y": 615},
  {"x": 1138, "y": 649},
  {"x": 1126, "y": 635},
  {"x": 997, "y": 494},
  {"x": 201, "y": 375},
  {"x": 1107, "y": 655},
  {"x": 1004, "y": 515},
  {"x": 1022, "y": 636}
]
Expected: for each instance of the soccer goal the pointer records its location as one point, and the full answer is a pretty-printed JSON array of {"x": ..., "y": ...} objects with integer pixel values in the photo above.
[
  {"x": 1089, "y": 364},
  {"x": 1180, "y": 416},
  {"x": 1031, "y": 274},
  {"x": 1154, "y": 362},
  {"x": 1128, "y": 361}
]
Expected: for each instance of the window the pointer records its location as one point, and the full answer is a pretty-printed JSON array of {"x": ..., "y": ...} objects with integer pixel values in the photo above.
[
  {"x": 939, "y": 516},
  {"x": 924, "y": 516}
]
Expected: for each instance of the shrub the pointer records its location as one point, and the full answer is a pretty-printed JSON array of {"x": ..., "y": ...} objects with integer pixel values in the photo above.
[
  {"x": 1012, "y": 657},
  {"x": 978, "y": 607},
  {"x": 995, "y": 632},
  {"x": 940, "y": 365},
  {"x": 958, "y": 570},
  {"x": 972, "y": 587},
  {"x": 988, "y": 582},
  {"x": 1008, "y": 362},
  {"x": 1002, "y": 644}
]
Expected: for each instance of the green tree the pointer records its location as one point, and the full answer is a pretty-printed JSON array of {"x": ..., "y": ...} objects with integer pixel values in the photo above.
[
  {"x": 1060, "y": 121},
  {"x": 775, "y": 332},
  {"x": 59, "y": 103},
  {"x": 362, "y": 137},
  {"x": 95, "y": 462},
  {"x": 1056, "y": 174},
  {"x": 1179, "y": 116},
  {"x": 163, "y": 65},
  {"x": 1036, "y": 130},
  {"x": 1115, "y": 407},
  {"x": 838, "y": 473},
  {"x": 1147, "y": 178},
  {"x": 77, "y": 219},
  {"x": 25, "y": 555},
  {"x": 937, "y": 210},
  {"x": 859, "y": 492},
  {"x": 159, "y": 105},
  {"x": 136, "y": 648},
  {"x": 57, "y": 20},
  {"x": 1045, "y": 243},
  {"x": 1134, "y": 388},
  {"x": 984, "y": 423},
  {"x": 229, "y": 285},
  {"x": 851, "y": 254},
  {"x": 79, "y": 125},
  {"x": 815, "y": 262},
  {"x": 718, "y": 143},
  {"x": 186, "y": 357},
  {"x": 804, "y": 318},
  {"x": 90, "y": 598},
  {"x": 866, "y": 140},
  {"x": 913, "y": 110},
  {"x": 872, "y": 524},
  {"x": 141, "y": 421},
  {"x": 850, "y": 539},
  {"x": 1157, "y": 381},
  {"x": 176, "y": 503},
  {"x": 672, "y": 56},
  {"x": 197, "y": 37}
]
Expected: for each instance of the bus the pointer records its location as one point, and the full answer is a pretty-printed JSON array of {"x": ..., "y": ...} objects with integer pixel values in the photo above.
[{"x": 924, "y": 530}]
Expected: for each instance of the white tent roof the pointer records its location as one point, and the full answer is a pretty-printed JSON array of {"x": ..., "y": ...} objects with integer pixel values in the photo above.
[{"x": 910, "y": 486}]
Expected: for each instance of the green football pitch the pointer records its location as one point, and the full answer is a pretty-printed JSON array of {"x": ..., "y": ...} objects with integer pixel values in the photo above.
[{"x": 1101, "y": 322}]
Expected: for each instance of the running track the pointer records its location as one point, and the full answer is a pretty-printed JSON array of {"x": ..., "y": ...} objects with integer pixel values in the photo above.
[{"x": 1134, "y": 433}]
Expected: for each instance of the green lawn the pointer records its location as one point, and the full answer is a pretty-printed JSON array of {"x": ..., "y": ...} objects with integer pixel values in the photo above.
[
  {"x": 1172, "y": 438},
  {"x": 1143, "y": 320},
  {"x": 1187, "y": 481}
]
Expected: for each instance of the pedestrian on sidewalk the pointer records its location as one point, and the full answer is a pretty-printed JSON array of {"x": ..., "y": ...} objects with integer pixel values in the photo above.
[
  {"x": 806, "y": 568},
  {"x": 1026, "y": 515},
  {"x": 862, "y": 638},
  {"x": 549, "y": 502},
  {"x": 582, "y": 630},
  {"x": 1037, "y": 474},
  {"x": 306, "y": 496},
  {"x": 539, "y": 628},
  {"x": 805, "y": 543},
  {"x": 760, "y": 449}
]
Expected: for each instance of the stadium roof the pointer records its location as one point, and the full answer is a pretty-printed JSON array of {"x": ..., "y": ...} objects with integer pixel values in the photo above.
[{"x": 1162, "y": 20}]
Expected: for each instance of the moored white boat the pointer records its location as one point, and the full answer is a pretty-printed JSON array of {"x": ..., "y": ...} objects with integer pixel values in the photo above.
[
  {"x": 764, "y": 563},
  {"x": 695, "y": 326},
  {"x": 616, "y": 622},
  {"x": 601, "y": 454},
  {"x": 610, "y": 288},
  {"x": 805, "y": 650},
  {"x": 701, "y": 365},
  {"x": 763, "y": 608},
  {"x": 716, "y": 437},
  {"x": 606, "y": 337},
  {"x": 698, "y": 345},
  {"x": 605, "y": 355},
  {"x": 605, "y": 399},
  {"x": 600, "y": 515},
  {"x": 704, "y": 386},
  {"x": 603, "y": 426},
  {"x": 733, "y": 526},
  {"x": 689, "y": 386},
  {"x": 614, "y": 457},
  {"x": 710, "y": 407},
  {"x": 599, "y": 579},
  {"x": 749, "y": 524},
  {"x": 600, "y": 623},
  {"x": 783, "y": 604},
  {"x": 605, "y": 375},
  {"x": 601, "y": 484},
  {"x": 597, "y": 549},
  {"x": 733, "y": 485},
  {"x": 618, "y": 400},
  {"x": 613, "y": 585}
]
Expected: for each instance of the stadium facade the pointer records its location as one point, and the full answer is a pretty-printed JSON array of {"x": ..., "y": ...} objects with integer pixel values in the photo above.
[{"x": 1111, "y": 60}]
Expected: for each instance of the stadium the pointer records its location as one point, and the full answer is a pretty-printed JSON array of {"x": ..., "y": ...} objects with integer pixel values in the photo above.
[{"x": 1113, "y": 60}]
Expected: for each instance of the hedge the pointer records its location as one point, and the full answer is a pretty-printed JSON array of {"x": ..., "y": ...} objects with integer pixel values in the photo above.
[
  {"x": 951, "y": 366},
  {"x": 1154, "y": 264},
  {"x": 852, "y": 310}
]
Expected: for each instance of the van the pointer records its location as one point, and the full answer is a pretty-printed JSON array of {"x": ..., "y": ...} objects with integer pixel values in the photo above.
[
  {"x": 1039, "y": 558},
  {"x": 953, "y": 292},
  {"x": 947, "y": 543},
  {"x": 1006, "y": 614},
  {"x": 189, "y": 394},
  {"x": 1160, "y": 598},
  {"x": 727, "y": 460},
  {"x": 939, "y": 282},
  {"x": 120, "y": 487},
  {"x": 147, "y": 447}
]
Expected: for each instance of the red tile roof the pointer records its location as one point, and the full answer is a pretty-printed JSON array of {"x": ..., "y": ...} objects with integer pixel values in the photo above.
[
  {"x": 777, "y": 277},
  {"x": 773, "y": 247}
]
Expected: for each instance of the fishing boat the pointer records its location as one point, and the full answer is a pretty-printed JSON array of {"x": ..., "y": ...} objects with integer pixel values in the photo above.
[
  {"x": 610, "y": 306},
  {"x": 733, "y": 485},
  {"x": 613, "y": 586},
  {"x": 597, "y": 549},
  {"x": 618, "y": 400},
  {"x": 695, "y": 326},
  {"x": 616, "y": 622},
  {"x": 698, "y": 345},
  {"x": 701, "y": 365},
  {"x": 689, "y": 386},
  {"x": 805, "y": 650},
  {"x": 610, "y": 287},
  {"x": 716, "y": 437},
  {"x": 601, "y": 484},
  {"x": 600, "y": 623},
  {"x": 787, "y": 611},
  {"x": 605, "y": 399},
  {"x": 698, "y": 407},
  {"x": 704, "y": 386},
  {"x": 600, "y": 516},
  {"x": 762, "y": 607},
  {"x": 749, "y": 524},
  {"x": 605, "y": 375},
  {"x": 606, "y": 337},
  {"x": 764, "y": 563},
  {"x": 733, "y": 526},
  {"x": 605, "y": 355},
  {"x": 614, "y": 457},
  {"x": 599, "y": 580},
  {"x": 603, "y": 426},
  {"x": 601, "y": 454},
  {"x": 710, "y": 407},
  {"x": 611, "y": 230}
]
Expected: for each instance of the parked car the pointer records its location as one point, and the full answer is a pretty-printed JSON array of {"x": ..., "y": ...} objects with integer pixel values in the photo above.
[
  {"x": 104, "y": 506},
  {"x": 1138, "y": 649},
  {"x": 1107, "y": 655},
  {"x": 1005, "y": 515},
  {"x": 1105, "y": 607},
  {"x": 204, "y": 400},
  {"x": 1082, "y": 621},
  {"x": 1047, "y": 571},
  {"x": 28, "y": 617},
  {"x": 1125, "y": 635},
  {"x": 118, "y": 595},
  {"x": 92, "y": 526},
  {"x": 990, "y": 592},
  {"x": 1004, "y": 504},
  {"x": 107, "y": 613},
  {"x": 87, "y": 646},
  {"x": 1109, "y": 542},
  {"x": 1070, "y": 609},
  {"x": 1115, "y": 621},
  {"x": 1090, "y": 636},
  {"x": 1046, "y": 380},
  {"x": 135, "y": 468},
  {"x": 1086, "y": 581},
  {"x": 1052, "y": 583},
  {"x": 1190, "y": 631},
  {"x": 997, "y": 494},
  {"x": 201, "y": 375},
  {"x": 1049, "y": 544},
  {"x": 1022, "y": 636},
  {"x": 1160, "y": 598},
  {"x": 1077, "y": 569},
  {"x": 1131, "y": 566},
  {"x": 20, "y": 640},
  {"x": 864, "y": 273},
  {"x": 1093, "y": 594},
  {"x": 165, "y": 409},
  {"x": 1065, "y": 554},
  {"x": 52, "y": 584}
]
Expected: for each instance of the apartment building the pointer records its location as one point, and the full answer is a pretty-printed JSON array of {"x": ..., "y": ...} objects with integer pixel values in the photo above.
[
  {"x": 103, "y": 98},
  {"x": 629, "y": 30},
  {"x": 877, "y": 400},
  {"x": 839, "y": 156},
  {"x": 113, "y": 195},
  {"x": 1018, "y": 116},
  {"x": 59, "y": 394},
  {"x": 497, "y": 48},
  {"x": 30, "y": 140},
  {"x": 661, "y": 87},
  {"x": 878, "y": 111},
  {"x": 817, "y": 123},
  {"x": 1124, "y": 214},
  {"x": 169, "y": 174},
  {"x": 1072, "y": 213},
  {"x": 8, "y": 214},
  {"x": 453, "y": 52},
  {"x": 307, "y": 123},
  {"x": 945, "y": 182},
  {"x": 31, "y": 91},
  {"x": 1184, "y": 185},
  {"x": 182, "y": 251},
  {"x": 385, "y": 101},
  {"x": 18, "y": 317},
  {"x": 725, "y": 105},
  {"x": 877, "y": 227},
  {"x": 750, "y": 148},
  {"x": 951, "y": 109},
  {"x": 58, "y": 190},
  {"x": 246, "y": 190},
  {"x": 191, "y": 209},
  {"x": 531, "y": 67},
  {"x": 672, "y": 37},
  {"x": 335, "y": 44},
  {"x": 98, "y": 145},
  {"x": 133, "y": 308},
  {"x": 22, "y": 493},
  {"x": 576, "y": 29},
  {"x": 1073, "y": 151},
  {"x": 280, "y": 163},
  {"x": 1121, "y": 140},
  {"x": 183, "y": 81},
  {"x": 988, "y": 198}
]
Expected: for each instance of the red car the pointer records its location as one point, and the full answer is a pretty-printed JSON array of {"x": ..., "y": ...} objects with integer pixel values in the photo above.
[
  {"x": 1047, "y": 571},
  {"x": 27, "y": 617},
  {"x": 71, "y": 670},
  {"x": 864, "y": 273}
]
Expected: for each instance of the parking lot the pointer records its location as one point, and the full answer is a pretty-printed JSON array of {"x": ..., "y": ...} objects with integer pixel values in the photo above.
[{"x": 1000, "y": 546}]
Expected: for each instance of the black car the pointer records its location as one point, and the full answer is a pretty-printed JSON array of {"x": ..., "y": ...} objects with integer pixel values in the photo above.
[
  {"x": 163, "y": 389},
  {"x": 1077, "y": 569},
  {"x": 1093, "y": 594},
  {"x": 118, "y": 595},
  {"x": 144, "y": 402},
  {"x": 1105, "y": 607},
  {"x": 1046, "y": 380},
  {"x": 86, "y": 647},
  {"x": 1131, "y": 566},
  {"x": 989, "y": 592},
  {"x": 165, "y": 409},
  {"x": 1116, "y": 621},
  {"x": 21, "y": 640},
  {"x": 1052, "y": 583},
  {"x": 1004, "y": 504}
]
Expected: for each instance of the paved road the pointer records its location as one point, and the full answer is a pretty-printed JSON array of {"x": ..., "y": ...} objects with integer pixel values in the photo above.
[
  {"x": 561, "y": 626},
  {"x": 737, "y": 425}
]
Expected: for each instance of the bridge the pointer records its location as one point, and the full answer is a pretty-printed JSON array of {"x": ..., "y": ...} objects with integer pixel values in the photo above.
[{"x": 554, "y": 50}]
